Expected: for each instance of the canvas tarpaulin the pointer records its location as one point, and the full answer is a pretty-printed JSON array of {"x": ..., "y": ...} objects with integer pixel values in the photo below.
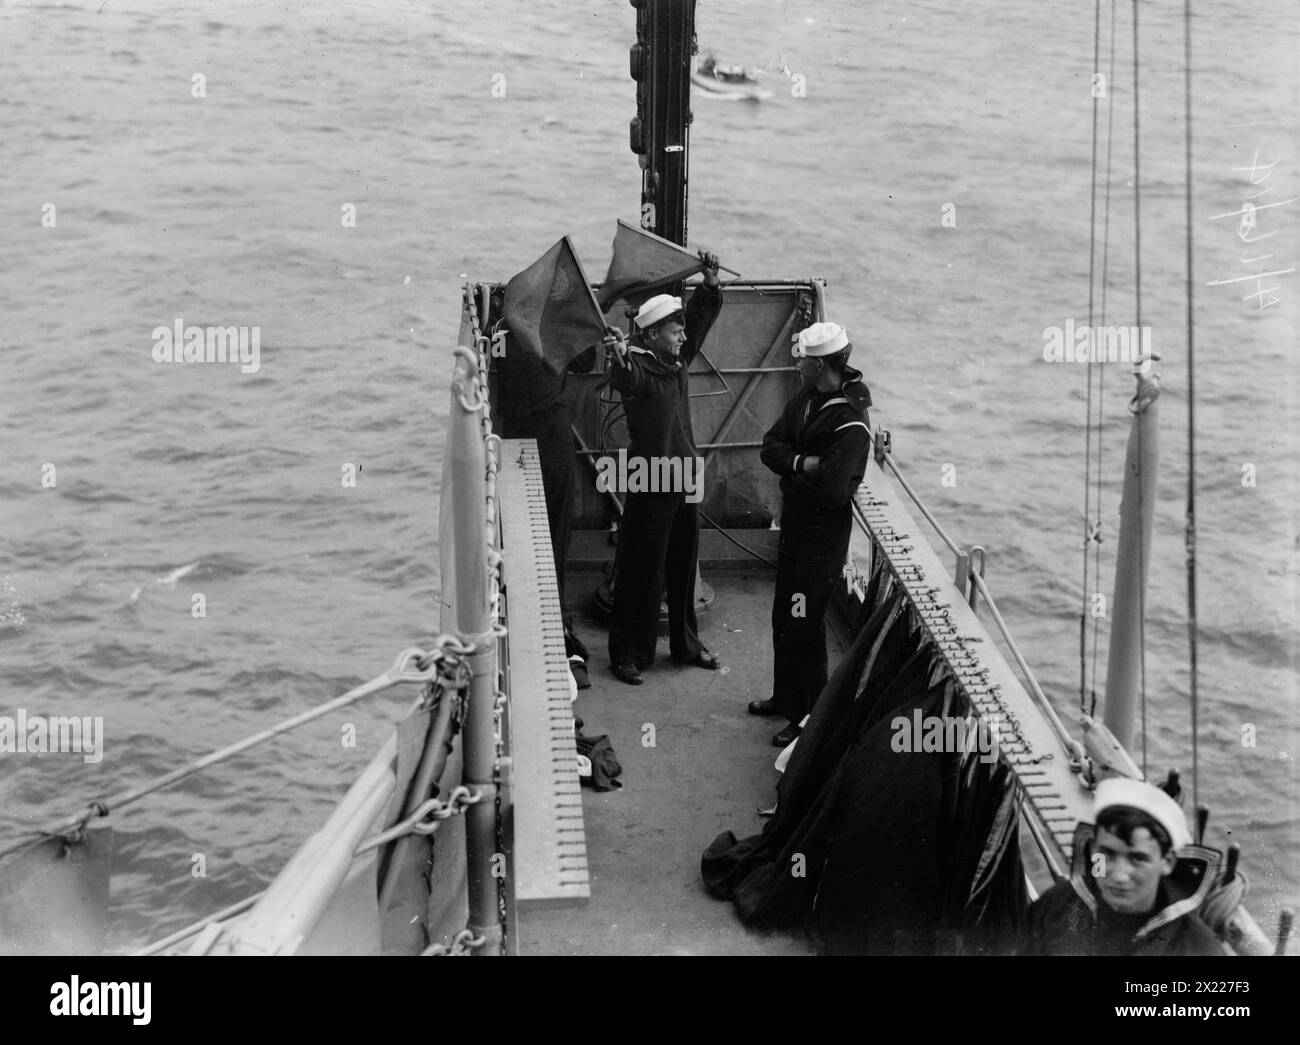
[
  {"x": 427, "y": 899},
  {"x": 874, "y": 850}
]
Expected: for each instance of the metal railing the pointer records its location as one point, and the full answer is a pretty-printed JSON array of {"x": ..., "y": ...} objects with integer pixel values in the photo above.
[
  {"x": 1224, "y": 910},
  {"x": 1072, "y": 747}
]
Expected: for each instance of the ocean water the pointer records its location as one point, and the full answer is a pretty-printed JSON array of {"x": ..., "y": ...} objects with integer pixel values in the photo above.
[{"x": 468, "y": 138}]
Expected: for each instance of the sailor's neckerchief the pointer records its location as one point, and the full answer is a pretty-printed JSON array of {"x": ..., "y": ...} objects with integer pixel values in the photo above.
[{"x": 1188, "y": 860}]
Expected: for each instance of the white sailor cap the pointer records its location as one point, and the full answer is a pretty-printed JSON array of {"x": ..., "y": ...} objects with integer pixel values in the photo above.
[
  {"x": 661, "y": 306},
  {"x": 1121, "y": 791},
  {"x": 820, "y": 339}
]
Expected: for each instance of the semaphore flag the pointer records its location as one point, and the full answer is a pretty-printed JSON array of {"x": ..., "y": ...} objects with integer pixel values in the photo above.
[
  {"x": 644, "y": 262},
  {"x": 550, "y": 310}
]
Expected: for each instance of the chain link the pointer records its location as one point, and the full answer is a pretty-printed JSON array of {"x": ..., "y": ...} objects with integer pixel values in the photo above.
[
  {"x": 493, "y": 450},
  {"x": 426, "y": 819},
  {"x": 462, "y": 944}
]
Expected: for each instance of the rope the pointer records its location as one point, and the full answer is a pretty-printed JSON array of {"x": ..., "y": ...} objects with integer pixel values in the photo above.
[
  {"x": 412, "y": 665},
  {"x": 1087, "y": 452},
  {"x": 1191, "y": 410},
  {"x": 1101, "y": 373},
  {"x": 1137, "y": 305},
  {"x": 743, "y": 547},
  {"x": 193, "y": 930}
]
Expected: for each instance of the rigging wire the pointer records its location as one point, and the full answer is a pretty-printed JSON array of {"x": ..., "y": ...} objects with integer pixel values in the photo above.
[
  {"x": 739, "y": 544},
  {"x": 1101, "y": 372},
  {"x": 1191, "y": 405},
  {"x": 1087, "y": 453},
  {"x": 1137, "y": 299}
]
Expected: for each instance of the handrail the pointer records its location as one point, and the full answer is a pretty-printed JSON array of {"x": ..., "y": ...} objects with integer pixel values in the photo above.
[
  {"x": 1072, "y": 747},
  {"x": 1046, "y": 849},
  {"x": 888, "y": 458}
]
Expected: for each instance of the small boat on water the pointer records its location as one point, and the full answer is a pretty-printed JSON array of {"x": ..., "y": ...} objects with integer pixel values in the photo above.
[
  {"x": 731, "y": 82},
  {"x": 468, "y": 832}
]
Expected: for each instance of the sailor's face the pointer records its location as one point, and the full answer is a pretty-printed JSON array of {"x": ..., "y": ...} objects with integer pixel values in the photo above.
[
  {"x": 1128, "y": 874},
  {"x": 668, "y": 337},
  {"x": 809, "y": 369}
]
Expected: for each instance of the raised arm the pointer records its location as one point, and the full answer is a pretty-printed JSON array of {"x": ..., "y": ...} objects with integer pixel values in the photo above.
[
  {"x": 625, "y": 377},
  {"x": 701, "y": 310}
]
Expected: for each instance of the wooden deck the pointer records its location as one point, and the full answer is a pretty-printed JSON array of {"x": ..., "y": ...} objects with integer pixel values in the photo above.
[{"x": 694, "y": 764}]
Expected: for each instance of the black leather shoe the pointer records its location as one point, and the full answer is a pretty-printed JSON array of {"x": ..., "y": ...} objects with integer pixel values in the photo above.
[
  {"x": 786, "y": 735},
  {"x": 763, "y": 707},
  {"x": 627, "y": 672},
  {"x": 705, "y": 659}
]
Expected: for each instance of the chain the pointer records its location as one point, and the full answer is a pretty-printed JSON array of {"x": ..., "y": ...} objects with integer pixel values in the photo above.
[
  {"x": 426, "y": 819},
  {"x": 501, "y": 845},
  {"x": 450, "y": 656},
  {"x": 492, "y": 445},
  {"x": 462, "y": 944}
]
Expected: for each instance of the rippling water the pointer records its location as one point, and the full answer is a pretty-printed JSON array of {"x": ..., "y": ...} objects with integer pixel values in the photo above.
[{"x": 226, "y": 209}]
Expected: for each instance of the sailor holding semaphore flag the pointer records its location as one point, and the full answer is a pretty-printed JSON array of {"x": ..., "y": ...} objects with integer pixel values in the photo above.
[{"x": 660, "y": 535}]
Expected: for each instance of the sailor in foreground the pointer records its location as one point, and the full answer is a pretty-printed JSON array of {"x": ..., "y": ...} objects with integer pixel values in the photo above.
[
  {"x": 660, "y": 534},
  {"x": 1135, "y": 889},
  {"x": 819, "y": 446}
]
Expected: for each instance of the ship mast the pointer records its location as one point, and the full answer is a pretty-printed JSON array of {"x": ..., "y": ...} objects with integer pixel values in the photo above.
[
  {"x": 661, "y": 66},
  {"x": 1124, "y": 668}
]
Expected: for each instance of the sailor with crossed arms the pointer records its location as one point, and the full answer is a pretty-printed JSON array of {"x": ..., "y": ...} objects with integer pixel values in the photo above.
[{"x": 819, "y": 446}]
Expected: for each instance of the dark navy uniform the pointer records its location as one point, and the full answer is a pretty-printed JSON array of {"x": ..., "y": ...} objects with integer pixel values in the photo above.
[
  {"x": 1071, "y": 918},
  {"x": 660, "y": 534},
  {"x": 532, "y": 407},
  {"x": 816, "y": 520}
]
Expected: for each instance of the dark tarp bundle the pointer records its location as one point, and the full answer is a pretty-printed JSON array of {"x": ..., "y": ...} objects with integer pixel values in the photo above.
[
  {"x": 644, "y": 262},
  {"x": 900, "y": 853},
  {"x": 605, "y": 766}
]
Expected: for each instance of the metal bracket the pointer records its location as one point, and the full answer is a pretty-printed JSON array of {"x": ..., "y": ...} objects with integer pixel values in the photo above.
[
  {"x": 883, "y": 444},
  {"x": 975, "y": 551}
]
